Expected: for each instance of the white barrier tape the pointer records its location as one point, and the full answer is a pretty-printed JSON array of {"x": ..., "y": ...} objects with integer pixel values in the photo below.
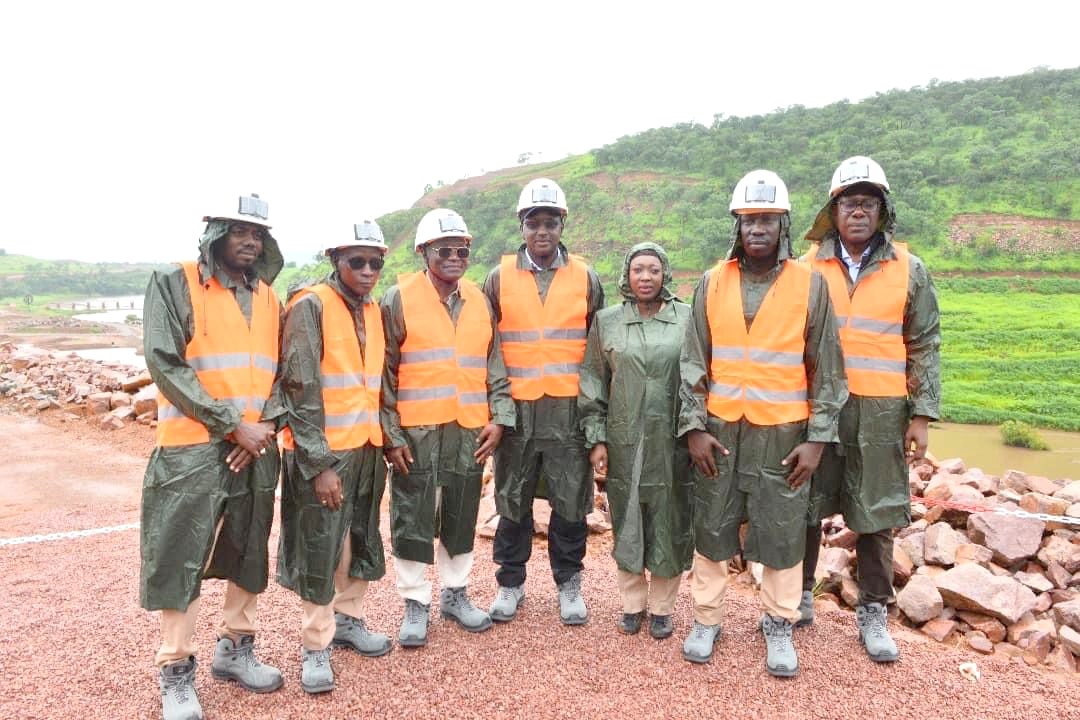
[
  {"x": 1039, "y": 516},
  {"x": 26, "y": 539}
]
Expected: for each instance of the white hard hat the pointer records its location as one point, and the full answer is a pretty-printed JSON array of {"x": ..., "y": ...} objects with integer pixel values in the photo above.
[
  {"x": 365, "y": 234},
  {"x": 249, "y": 208},
  {"x": 857, "y": 169},
  {"x": 760, "y": 191},
  {"x": 542, "y": 193},
  {"x": 440, "y": 223}
]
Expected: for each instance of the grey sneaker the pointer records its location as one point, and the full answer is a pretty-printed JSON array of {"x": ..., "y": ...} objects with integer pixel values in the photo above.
[
  {"x": 572, "y": 610},
  {"x": 178, "y": 698},
  {"x": 236, "y": 661},
  {"x": 780, "y": 657},
  {"x": 698, "y": 646},
  {"x": 507, "y": 602},
  {"x": 316, "y": 675},
  {"x": 455, "y": 605},
  {"x": 414, "y": 625},
  {"x": 806, "y": 609},
  {"x": 351, "y": 632},
  {"x": 874, "y": 632}
]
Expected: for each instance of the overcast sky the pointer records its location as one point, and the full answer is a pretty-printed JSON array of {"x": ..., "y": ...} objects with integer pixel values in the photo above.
[{"x": 123, "y": 123}]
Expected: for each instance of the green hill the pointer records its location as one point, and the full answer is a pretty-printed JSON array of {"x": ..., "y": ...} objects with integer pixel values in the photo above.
[{"x": 46, "y": 280}]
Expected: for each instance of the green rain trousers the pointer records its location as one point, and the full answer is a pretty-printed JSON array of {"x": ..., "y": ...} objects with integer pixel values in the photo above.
[{"x": 312, "y": 536}]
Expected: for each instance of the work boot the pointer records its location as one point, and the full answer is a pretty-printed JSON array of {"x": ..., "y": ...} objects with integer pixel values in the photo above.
[
  {"x": 178, "y": 698},
  {"x": 698, "y": 646},
  {"x": 874, "y": 632},
  {"x": 661, "y": 626},
  {"x": 572, "y": 609},
  {"x": 351, "y": 632},
  {"x": 454, "y": 604},
  {"x": 780, "y": 657},
  {"x": 414, "y": 626},
  {"x": 806, "y": 609},
  {"x": 235, "y": 660},
  {"x": 630, "y": 623},
  {"x": 507, "y": 602},
  {"x": 316, "y": 675}
]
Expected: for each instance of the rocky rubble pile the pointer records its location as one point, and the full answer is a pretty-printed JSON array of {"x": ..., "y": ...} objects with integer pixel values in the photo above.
[
  {"x": 999, "y": 583},
  {"x": 37, "y": 380}
]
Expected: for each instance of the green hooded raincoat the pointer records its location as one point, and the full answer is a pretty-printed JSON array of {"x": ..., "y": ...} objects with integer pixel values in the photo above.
[
  {"x": 188, "y": 490},
  {"x": 752, "y": 484},
  {"x": 629, "y": 400}
]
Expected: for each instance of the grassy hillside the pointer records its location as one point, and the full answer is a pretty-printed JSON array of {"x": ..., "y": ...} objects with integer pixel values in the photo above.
[{"x": 53, "y": 280}]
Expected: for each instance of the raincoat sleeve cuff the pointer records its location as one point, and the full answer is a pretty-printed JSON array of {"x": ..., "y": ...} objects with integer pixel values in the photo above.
[
  {"x": 927, "y": 409},
  {"x": 822, "y": 431},
  {"x": 505, "y": 416},
  {"x": 311, "y": 464},
  {"x": 688, "y": 423},
  {"x": 595, "y": 431}
]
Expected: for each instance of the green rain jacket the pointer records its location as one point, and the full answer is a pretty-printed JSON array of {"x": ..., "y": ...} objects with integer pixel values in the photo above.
[
  {"x": 442, "y": 454},
  {"x": 548, "y": 425},
  {"x": 629, "y": 400},
  {"x": 188, "y": 489},
  {"x": 311, "y": 535},
  {"x": 752, "y": 484},
  {"x": 865, "y": 475}
]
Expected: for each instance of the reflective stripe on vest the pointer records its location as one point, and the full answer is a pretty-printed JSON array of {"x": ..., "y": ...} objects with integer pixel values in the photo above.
[
  {"x": 758, "y": 374},
  {"x": 871, "y": 322},
  {"x": 543, "y": 344},
  {"x": 350, "y": 382},
  {"x": 442, "y": 375},
  {"x": 235, "y": 362}
]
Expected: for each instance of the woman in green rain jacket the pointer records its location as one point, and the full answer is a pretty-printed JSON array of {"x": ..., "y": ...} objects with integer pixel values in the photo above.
[{"x": 629, "y": 402}]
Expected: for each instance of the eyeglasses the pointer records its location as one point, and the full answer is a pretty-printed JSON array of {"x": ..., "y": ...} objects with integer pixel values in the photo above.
[
  {"x": 848, "y": 205},
  {"x": 445, "y": 252},
  {"x": 358, "y": 263},
  {"x": 548, "y": 224}
]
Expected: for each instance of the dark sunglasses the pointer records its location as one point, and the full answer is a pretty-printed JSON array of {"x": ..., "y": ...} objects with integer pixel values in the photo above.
[
  {"x": 358, "y": 263},
  {"x": 445, "y": 252}
]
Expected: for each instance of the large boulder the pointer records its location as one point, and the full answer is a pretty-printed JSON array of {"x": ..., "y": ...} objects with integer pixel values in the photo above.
[
  {"x": 1068, "y": 614},
  {"x": 146, "y": 400},
  {"x": 920, "y": 599},
  {"x": 1070, "y": 493},
  {"x": 1010, "y": 538},
  {"x": 988, "y": 626},
  {"x": 1059, "y": 550},
  {"x": 973, "y": 587},
  {"x": 940, "y": 543}
]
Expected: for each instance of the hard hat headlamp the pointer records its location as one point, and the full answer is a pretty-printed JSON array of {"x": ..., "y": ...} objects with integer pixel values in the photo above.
[
  {"x": 545, "y": 194},
  {"x": 854, "y": 172},
  {"x": 453, "y": 224},
  {"x": 255, "y": 207},
  {"x": 760, "y": 192},
  {"x": 366, "y": 231}
]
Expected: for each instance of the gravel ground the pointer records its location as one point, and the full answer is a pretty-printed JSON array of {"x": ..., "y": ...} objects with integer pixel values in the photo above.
[{"x": 78, "y": 645}]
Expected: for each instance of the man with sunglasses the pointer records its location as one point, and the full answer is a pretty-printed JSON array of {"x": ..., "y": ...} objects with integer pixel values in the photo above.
[
  {"x": 212, "y": 333},
  {"x": 545, "y": 300},
  {"x": 887, "y": 310},
  {"x": 446, "y": 400},
  {"x": 334, "y": 473}
]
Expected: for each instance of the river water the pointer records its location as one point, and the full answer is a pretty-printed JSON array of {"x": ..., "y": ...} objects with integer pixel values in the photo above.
[
  {"x": 107, "y": 309},
  {"x": 981, "y": 446}
]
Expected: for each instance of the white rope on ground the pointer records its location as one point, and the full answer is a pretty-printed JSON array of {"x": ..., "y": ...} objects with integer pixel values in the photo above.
[{"x": 26, "y": 539}]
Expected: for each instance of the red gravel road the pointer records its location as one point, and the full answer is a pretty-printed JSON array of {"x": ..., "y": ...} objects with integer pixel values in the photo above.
[{"x": 77, "y": 645}]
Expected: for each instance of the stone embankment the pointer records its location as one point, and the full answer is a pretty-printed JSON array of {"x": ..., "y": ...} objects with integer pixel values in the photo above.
[{"x": 1000, "y": 583}]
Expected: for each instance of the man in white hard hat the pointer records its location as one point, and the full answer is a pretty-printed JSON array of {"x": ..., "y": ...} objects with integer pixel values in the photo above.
[
  {"x": 544, "y": 299},
  {"x": 763, "y": 384},
  {"x": 446, "y": 402},
  {"x": 212, "y": 333},
  {"x": 334, "y": 473},
  {"x": 887, "y": 310}
]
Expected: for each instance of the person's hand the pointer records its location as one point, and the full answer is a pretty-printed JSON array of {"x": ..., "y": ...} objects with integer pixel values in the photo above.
[
  {"x": 805, "y": 457},
  {"x": 256, "y": 438},
  {"x": 487, "y": 441},
  {"x": 703, "y": 447},
  {"x": 917, "y": 438},
  {"x": 598, "y": 458},
  {"x": 239, "y": 458},
  {"x": 400, "y": 458},
  {"x": 327, "y": 486}
]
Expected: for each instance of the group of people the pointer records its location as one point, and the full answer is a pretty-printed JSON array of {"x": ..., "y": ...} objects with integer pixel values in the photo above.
[{"x": 722, "y": 426}]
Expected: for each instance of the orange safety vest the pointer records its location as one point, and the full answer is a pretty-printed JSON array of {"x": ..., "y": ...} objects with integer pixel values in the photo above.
[
  {"x": 758, "y": 374},
  {"x": 350, "y": 382},
  {"x": 235, "y": 362},
  {"x": 442, "y": 376},
  {"x": 543, "y": 344},
  {"x": 871, "y": 320}
]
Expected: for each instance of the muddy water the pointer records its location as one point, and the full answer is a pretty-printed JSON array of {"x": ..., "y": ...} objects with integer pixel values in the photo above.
[{"x": 980, "y": 446}]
